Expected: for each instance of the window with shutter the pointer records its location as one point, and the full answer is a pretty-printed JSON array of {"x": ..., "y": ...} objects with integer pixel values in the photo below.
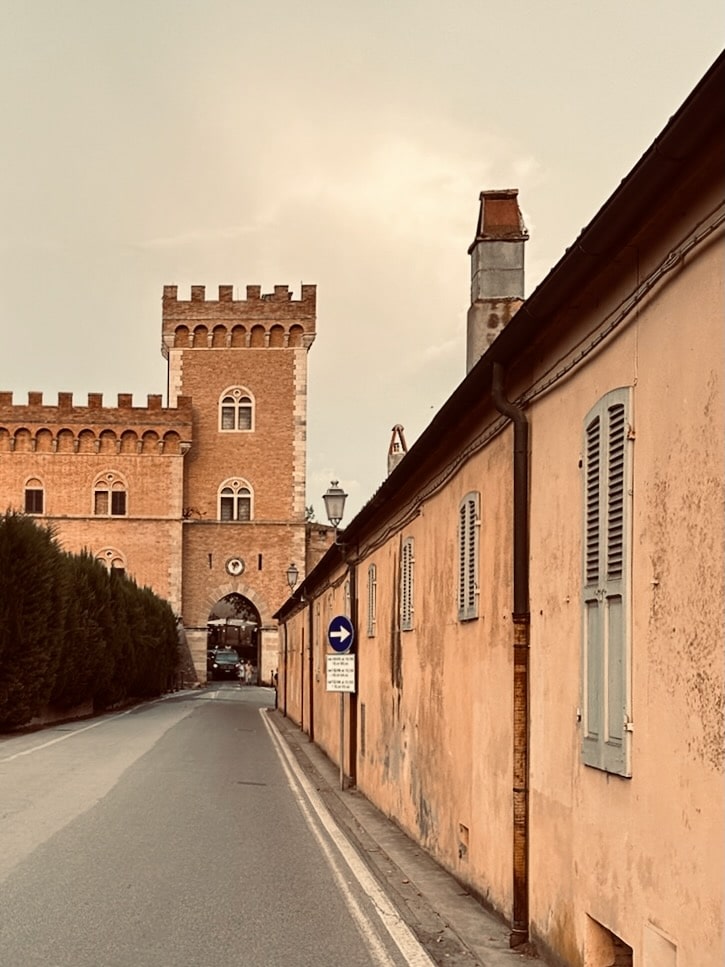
[
  {"x": 468, "y": 528},
  {"x": 606, "y": 712},
  {"x": 406, "y": 585},
  {"x": 372, "y": 599}
]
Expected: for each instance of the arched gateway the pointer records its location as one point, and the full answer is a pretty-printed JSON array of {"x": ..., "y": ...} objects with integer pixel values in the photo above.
[{"x": 234, "y": 622}]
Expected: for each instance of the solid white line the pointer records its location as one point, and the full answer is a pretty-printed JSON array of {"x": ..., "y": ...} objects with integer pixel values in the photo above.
[
  {"x": 397, "y": 928},
  {"x": 68, "y": 735},
  {"x": 94, "y": 725}
]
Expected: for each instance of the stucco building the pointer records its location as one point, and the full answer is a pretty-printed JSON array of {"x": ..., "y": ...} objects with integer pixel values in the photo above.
[
  {"x": 203, "y": 500},
  {"x": 537, "y": 587}
]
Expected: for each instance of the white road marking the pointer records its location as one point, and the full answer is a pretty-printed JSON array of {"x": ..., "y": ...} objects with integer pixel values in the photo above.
[
  {"x": 400, "y": 933},
  {"x": 67, "y": 735}
]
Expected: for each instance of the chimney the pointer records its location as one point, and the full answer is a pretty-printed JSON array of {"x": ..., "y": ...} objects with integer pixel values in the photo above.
[
  {"x": 397, "y": 449},
  {"x": 497, "y": 270}
]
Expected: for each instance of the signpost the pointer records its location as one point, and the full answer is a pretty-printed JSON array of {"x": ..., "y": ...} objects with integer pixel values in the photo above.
[
  {"x": 341, "y": 672},
  {"x": 340, "y": 634}
]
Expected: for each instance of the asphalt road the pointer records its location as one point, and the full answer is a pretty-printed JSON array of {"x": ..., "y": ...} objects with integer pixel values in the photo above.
[{"x": 179, "y": 834}]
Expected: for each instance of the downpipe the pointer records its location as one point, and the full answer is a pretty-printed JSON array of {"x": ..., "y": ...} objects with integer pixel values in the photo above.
[{"x": 521, "y": 640}]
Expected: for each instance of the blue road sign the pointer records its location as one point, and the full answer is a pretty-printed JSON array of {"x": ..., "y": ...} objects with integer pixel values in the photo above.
[{"x": 340, "y": 634}]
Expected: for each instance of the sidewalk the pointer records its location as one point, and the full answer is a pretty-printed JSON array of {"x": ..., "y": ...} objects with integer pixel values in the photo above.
[{"x": 454, "y": 928}]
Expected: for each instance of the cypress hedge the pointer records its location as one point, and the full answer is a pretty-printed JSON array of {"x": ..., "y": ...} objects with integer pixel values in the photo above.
[{"x": 71, "y": 631}]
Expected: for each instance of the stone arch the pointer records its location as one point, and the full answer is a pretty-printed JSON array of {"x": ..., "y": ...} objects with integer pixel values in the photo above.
[
  {"x": 181, "y": 337},
  {"x": 172, "y": 442},
  {"x": 44, "y": 441},
  {"x": 256, "y": 340},
  {"x": 239, "y": 337},
  {"x": 200, "y": 338},
  {"x": 295, "y": 336},
  {"x": 86, "y": 441},
  {"x": 108, "y": 442},
  {"x": 276, "y": 336},
  {"x": 234, "y": 621},
  {"x": 129, "y": 441},
  {"x": 66, "y": 441},
  {"x": 219, "y": 337},
  {"x": 150, "y": 441},
  {"x": 23, "y": 440}
]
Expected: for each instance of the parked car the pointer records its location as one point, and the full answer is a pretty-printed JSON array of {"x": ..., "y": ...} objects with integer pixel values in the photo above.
[{"x": 225, "y": 663}]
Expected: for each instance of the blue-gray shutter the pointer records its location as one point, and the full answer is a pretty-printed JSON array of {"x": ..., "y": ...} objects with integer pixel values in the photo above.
[
  {"x": 406, "y": 586},
  {"x": 607, "y": 486},
  {"x": 372, "y": 599},
  {"x": 468, "y": 515}
]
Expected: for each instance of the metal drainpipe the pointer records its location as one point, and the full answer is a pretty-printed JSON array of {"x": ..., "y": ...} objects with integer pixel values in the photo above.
[
  {"x": 521, "y": 628},
  {"x": 352, "y": 698},
  {"x": 286, "y": 672},
  {"x": 311, "y": 672}
]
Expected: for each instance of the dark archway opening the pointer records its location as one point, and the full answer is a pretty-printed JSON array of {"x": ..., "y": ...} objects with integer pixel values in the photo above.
[{"x": 233, "y": 624}]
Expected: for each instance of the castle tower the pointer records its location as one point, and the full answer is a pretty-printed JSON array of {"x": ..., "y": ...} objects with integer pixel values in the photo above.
[
  {"x": 244, "y": 365},
  {"x": 497, "y": 270}
]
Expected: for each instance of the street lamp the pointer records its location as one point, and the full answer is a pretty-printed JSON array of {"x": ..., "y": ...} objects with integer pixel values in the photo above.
[
  {"x": 292, "y": 576},
  {"x": 334, "y": 498}
]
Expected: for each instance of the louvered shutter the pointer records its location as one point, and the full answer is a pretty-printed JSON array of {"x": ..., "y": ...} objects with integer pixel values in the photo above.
[
  {"x": 406, "y": 585},
  {"x": 468, "y": 514},
  {"x": 372, "y": 599},
  {"x": 605, "y": 686}
]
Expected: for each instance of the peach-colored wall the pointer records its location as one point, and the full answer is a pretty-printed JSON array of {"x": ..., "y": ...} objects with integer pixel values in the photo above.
[
  {"x": 649, "y": 849},
  {"x": 637, "y": 858}
]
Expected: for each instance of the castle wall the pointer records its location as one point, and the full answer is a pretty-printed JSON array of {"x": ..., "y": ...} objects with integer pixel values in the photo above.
[
  {"x": 72, "y": 450},
  {"x": 171, "y": 462}
]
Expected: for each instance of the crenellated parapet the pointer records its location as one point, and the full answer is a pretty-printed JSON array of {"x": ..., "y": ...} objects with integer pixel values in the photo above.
[
  {"x": 38, "y": 427},
  {"x": 262, "y": 320}
]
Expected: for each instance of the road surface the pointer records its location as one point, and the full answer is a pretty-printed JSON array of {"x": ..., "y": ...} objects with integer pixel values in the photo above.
[{"x": 180, "y": 833}]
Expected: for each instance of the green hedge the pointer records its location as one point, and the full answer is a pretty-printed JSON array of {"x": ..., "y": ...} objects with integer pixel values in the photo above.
[{"x": 71, "y": 632}]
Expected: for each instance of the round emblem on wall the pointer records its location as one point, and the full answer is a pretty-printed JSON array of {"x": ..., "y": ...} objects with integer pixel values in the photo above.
[{"x": 235, "y": 566}]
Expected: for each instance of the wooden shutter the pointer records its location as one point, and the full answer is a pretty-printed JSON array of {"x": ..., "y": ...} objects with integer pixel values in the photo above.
[
  {"x": 607, "y": 499},
  {"x": 406, "y": 585},
  {"x": 468, "y": 515},
  {"x": 372, "y": 599}
]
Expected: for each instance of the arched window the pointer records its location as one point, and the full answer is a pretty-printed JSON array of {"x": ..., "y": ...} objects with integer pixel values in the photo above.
[
  {"x": 109, "y": 496},
  {"x": 33, "y": 496},
  {"x": 113, "y": 560},
  {"x": 236, "y": 409},
  {"x": 235, "y": 500}
]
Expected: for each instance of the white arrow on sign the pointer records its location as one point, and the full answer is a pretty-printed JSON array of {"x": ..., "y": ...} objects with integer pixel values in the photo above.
[{"x": 342, "y": 634}]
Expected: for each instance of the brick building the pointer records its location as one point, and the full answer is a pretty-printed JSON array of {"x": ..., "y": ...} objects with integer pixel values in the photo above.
[{"x": 202, "y": 500}]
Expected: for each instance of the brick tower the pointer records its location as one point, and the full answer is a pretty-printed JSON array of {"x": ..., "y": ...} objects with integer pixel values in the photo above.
[{"x": 244, "y": 365}]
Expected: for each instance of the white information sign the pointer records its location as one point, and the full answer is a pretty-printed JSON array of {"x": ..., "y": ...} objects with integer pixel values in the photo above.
[{"x": 340, "y": 673}]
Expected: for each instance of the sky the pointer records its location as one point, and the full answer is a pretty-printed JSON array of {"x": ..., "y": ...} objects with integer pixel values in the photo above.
[{"x": 178, "y": 142}]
